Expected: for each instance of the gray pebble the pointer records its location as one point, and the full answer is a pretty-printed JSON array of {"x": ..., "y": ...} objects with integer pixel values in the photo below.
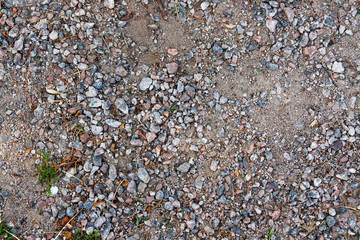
[
  {"x": 99, "y": 222},
  {"x": 143, "y": 175},
  {"x": 88, "y": 204},
  {"x": 145, "y": 83},
  {"x": 122, "y": 106},
  {"x": 184, "y": 168},
  {"x": 112, "y": 123},
  {"x": 70, "y": 212},
  {"x": 217, "y": 49},
  {"x": 272, "y": 66},
  {"x": 97, "y": 161},
  {"x": 112, "y": 172},
  {"x": 330, "y": 221},
  {"x": 159, "y": 195}
]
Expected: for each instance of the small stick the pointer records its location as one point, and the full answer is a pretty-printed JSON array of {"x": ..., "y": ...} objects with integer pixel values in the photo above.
[
  {"x": 66, "y": 225},
  {"x": 80, "y": 71},
  {"x": 162, "y": 11},
  {"x": 8, "y": 47},
  {"x": 104, "y": 140},
  {"x": 12, "y": 234},
  {"x": 117, "y": 189},
  {"x": 63, "y": 164},
  {"x": 62, "y": 80},
  {"x": 60, "y": 39}
]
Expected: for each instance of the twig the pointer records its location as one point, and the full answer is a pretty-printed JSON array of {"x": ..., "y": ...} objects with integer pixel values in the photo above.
[
  {"x": 72, "y": 176},
  {"x": 80, "y": 71},
  {"x": 8, "y": 47},
  {"x": 12, "y": 234},
  {"x": 66, "y": 225},
  {"x": 162, "y": 11},
  {"x": 63, "y": 164},
  {"x": 60, "y": 39},
  {"x": 118, "y": 188}
]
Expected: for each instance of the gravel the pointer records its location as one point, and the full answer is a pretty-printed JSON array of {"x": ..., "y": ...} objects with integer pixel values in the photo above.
[{"x": 222, "y": 122}]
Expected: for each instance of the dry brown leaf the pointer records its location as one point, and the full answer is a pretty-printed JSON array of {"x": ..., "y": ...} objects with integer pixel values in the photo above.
[{"x": 98, "y": 203}]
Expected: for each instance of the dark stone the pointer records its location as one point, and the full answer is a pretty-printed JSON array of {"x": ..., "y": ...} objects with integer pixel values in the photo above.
[
  {"x": 220, "y": 190},
  {"x": 330, "y": 221},
  {"x": 292, "y": 195},
  {"x": 217, "y": 48},
  {"x": 237, "y": 230},
  {"x": 88, "y": 204},
  {"x": 294, "y": 232},
  {"x": 336, "y": 145}
]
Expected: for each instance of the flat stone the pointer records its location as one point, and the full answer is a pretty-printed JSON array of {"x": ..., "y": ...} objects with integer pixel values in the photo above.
[
  {"x": 330, "y": 221},
  {"x": 112, "y": 123},
  {"x": 271, "y": 25},
  {"x": 54, "y": 35},
  {"x": 121, "y": 71},
  {"x": 97, "y": 161},
  {"x": 184, "y": 168},
  {"x": 217, "y": 48},
  {"x": 145, "y": 83},
  {"x": 272, "y": 66},
  {"x": 213, "y": 165},
  {"x": 338, "y": 67},
  {"x": 99, "y": 222},
  {"x": 96, "y": 130},
  {"x": 112, "y": 172},
  {"x": 143, "y": 175},
  {"x": 131, "y": 188},
  {"x": 289, "y": 12},
  {"x": 88, "y": 204},
  {"x": 109, "y": 3},
  {"x": 70, "y": 212},
  {"x": 172, "y": 67},
  {"x": 122, "y": 106}
]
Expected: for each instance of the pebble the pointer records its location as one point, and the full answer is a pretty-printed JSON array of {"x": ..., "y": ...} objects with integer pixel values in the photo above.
[
  {"x": 338, "y": 67},
  {"x": 122, "y": 106},
  {"x": 172, "y": 67},
  {"x": 330, "y": 221},
  {"x": 145, "y": 83},
  {"x": 112, "y": 172},
  {"x": 271, "y": 24},
  {"x": 99, "y": 222},
  {"x": 143, "y": 175},
  {"x": 54, "y": 35},
  {"x": 184, "y": 168},
  {"x": 109, "y": 3}
]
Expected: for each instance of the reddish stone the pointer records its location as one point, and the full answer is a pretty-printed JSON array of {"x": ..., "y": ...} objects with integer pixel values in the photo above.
[
  {"x": 64, "y": 221},
  {"x": 276, "y": 214},
  {"x": 343, "y": 159},
  {"x": 84, "y": 137},
  {"x": 172, "y": 51},
  {"x": 172, "y": 67}
]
